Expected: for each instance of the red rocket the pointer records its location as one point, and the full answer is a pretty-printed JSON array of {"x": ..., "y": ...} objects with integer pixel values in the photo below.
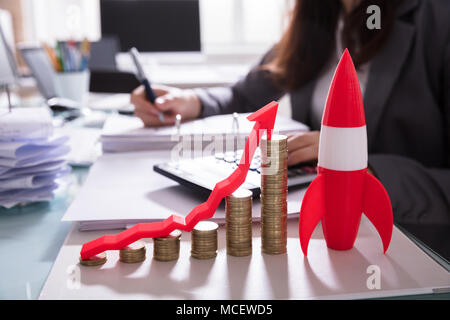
[{"x": 343, "y": 189}]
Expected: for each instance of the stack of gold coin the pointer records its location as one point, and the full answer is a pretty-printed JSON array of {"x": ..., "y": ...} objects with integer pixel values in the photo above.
[
  {"x": 94, "y": 261},
  {"x": 167, "y": 248},
  {"x": 204, "y": 240},
  {"x": 133, "y": 253},
  {"x": 274, "y": 194},
  {"x": 238, "y": 210}
]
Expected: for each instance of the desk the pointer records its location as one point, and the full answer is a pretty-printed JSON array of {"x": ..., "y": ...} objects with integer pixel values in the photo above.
[
  {"x": 26, "y": 263},
  {"x": 31, "y": 237},
  {"x": 325, "y": 274}
]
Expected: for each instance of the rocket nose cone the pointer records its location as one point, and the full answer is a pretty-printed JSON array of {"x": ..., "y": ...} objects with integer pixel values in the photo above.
[{"x": 344, "y": 106}]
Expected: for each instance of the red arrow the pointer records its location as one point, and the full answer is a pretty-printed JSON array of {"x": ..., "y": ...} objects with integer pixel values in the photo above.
[{"x": 265, "y": 119}]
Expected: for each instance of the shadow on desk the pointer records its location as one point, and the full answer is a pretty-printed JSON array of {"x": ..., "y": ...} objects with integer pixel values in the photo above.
[{"x": 173, "y": 287}]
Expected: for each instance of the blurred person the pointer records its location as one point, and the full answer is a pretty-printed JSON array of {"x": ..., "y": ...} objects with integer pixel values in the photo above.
[{"x": 404, "y": 73}]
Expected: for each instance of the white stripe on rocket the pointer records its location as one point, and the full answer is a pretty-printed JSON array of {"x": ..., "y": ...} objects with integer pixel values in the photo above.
[{"x": 343, "y": 149}]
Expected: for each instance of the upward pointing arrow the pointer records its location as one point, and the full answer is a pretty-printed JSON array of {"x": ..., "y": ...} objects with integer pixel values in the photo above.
[
  {"x": 264, "y": 121},
  {"x": 265, "y": 117}
]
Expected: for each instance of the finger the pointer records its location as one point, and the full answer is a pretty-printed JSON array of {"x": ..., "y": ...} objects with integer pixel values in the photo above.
[
  {"x": 165, "y": 103},
  {"x": 306, "y": 154},
  {"x": 149, "y": 120},
  {"x": 159, "y": 92},
  {"x": 168, "y": 115},
  {"x": 169, "y": 119},
  {"x": 143, "y": 105},
  {"x": 300, "y": 140}
]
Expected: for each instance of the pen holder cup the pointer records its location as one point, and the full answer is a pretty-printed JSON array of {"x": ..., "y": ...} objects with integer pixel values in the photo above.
[{"x": 73, "y": 86}]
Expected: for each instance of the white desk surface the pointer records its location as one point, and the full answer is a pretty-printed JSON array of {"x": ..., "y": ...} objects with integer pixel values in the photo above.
[{"x": 327, "y": 273}]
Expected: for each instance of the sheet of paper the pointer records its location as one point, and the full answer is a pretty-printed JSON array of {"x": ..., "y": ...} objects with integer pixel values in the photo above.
[
  {"x": 33, "y": 181},
  {"x": 7, "y": 172},
  {"x": 26, "y": 123},
  {"x": 9, "y": 203},
  {"x": 123, "y": 133},
  {"x": 51, "y": 155},
  {"x": 84, "y": 144},
  {"x": 26, "y": 194},
  {"x": 27, "y": 149},
  {"x": 126, "y": 126},
  {"x": 31, "y": 157},
  {"x": 37, "y": 198}
]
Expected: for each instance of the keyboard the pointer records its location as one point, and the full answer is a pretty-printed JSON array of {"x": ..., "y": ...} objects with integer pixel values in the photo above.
[{"x": 202, "y": 174}]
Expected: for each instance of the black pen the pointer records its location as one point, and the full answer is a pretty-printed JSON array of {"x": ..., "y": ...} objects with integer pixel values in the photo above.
[{"x": 144, "y": 80}]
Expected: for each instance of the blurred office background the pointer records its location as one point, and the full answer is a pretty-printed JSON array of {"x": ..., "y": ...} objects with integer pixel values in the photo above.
[
  {"x": 184, "y": 43},
  {"x": 226, "y": 26}
]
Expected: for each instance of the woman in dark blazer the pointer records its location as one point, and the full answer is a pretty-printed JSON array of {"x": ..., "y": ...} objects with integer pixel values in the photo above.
[{"x": 404, "y": 71}]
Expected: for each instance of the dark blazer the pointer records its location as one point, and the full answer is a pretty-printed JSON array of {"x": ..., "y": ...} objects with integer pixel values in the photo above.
[{"x": 407, "y": 106}]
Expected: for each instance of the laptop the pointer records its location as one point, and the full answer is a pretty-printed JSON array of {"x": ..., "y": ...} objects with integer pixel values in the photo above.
[{"x": 41, "y": 69}]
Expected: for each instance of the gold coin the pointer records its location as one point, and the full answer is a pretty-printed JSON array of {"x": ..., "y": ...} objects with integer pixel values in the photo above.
[
  {"x": 204, "y": 240},
  {"x": 205, "y": 226},
  {"x": 270, "y": 251},
  {"x": 203, "y": 256},
  {"x": 274, "y": 195},
  {"x": 239, "y": 229},
  {"x": 166, "y": 255},
  {"x": 171, "y": 236},
  {"x": 133, "y": 253},
  {"x": 276, "y": 138},
  {"x": 138, "y": 245},
  {"x": 241, "y": 193},
  {"x": 273, "y": 155},
  {"x": 96, "y": 260},
  {"x": 167, "y": 248},
  {"x": 237, "y": 212}
]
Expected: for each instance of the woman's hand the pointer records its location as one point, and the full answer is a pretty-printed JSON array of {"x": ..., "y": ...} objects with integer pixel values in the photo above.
[
  {"x": 170, "y": 101},
  {"x": 303, "y": 147}
]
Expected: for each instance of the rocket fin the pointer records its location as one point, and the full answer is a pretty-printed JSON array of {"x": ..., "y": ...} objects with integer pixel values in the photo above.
[
  {"x": 311, "y": 211},
  {"x": 377, "y": 207}
]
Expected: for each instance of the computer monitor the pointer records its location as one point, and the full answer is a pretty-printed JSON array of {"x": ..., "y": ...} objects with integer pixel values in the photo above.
[
  {"x": 8, "y": 70},
  {"x": 152, "y": 25}
]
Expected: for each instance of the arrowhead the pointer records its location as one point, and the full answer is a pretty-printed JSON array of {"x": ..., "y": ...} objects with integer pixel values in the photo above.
[{"x": 266, "y": 116}]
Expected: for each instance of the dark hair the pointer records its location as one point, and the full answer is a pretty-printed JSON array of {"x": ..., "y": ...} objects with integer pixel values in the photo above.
[{"x": 310, "y": 38}]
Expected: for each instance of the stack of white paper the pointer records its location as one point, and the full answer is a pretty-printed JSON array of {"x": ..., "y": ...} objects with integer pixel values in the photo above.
[
  {"x": 31, "y": 158},
  {"x": 124, "y": 133}
]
